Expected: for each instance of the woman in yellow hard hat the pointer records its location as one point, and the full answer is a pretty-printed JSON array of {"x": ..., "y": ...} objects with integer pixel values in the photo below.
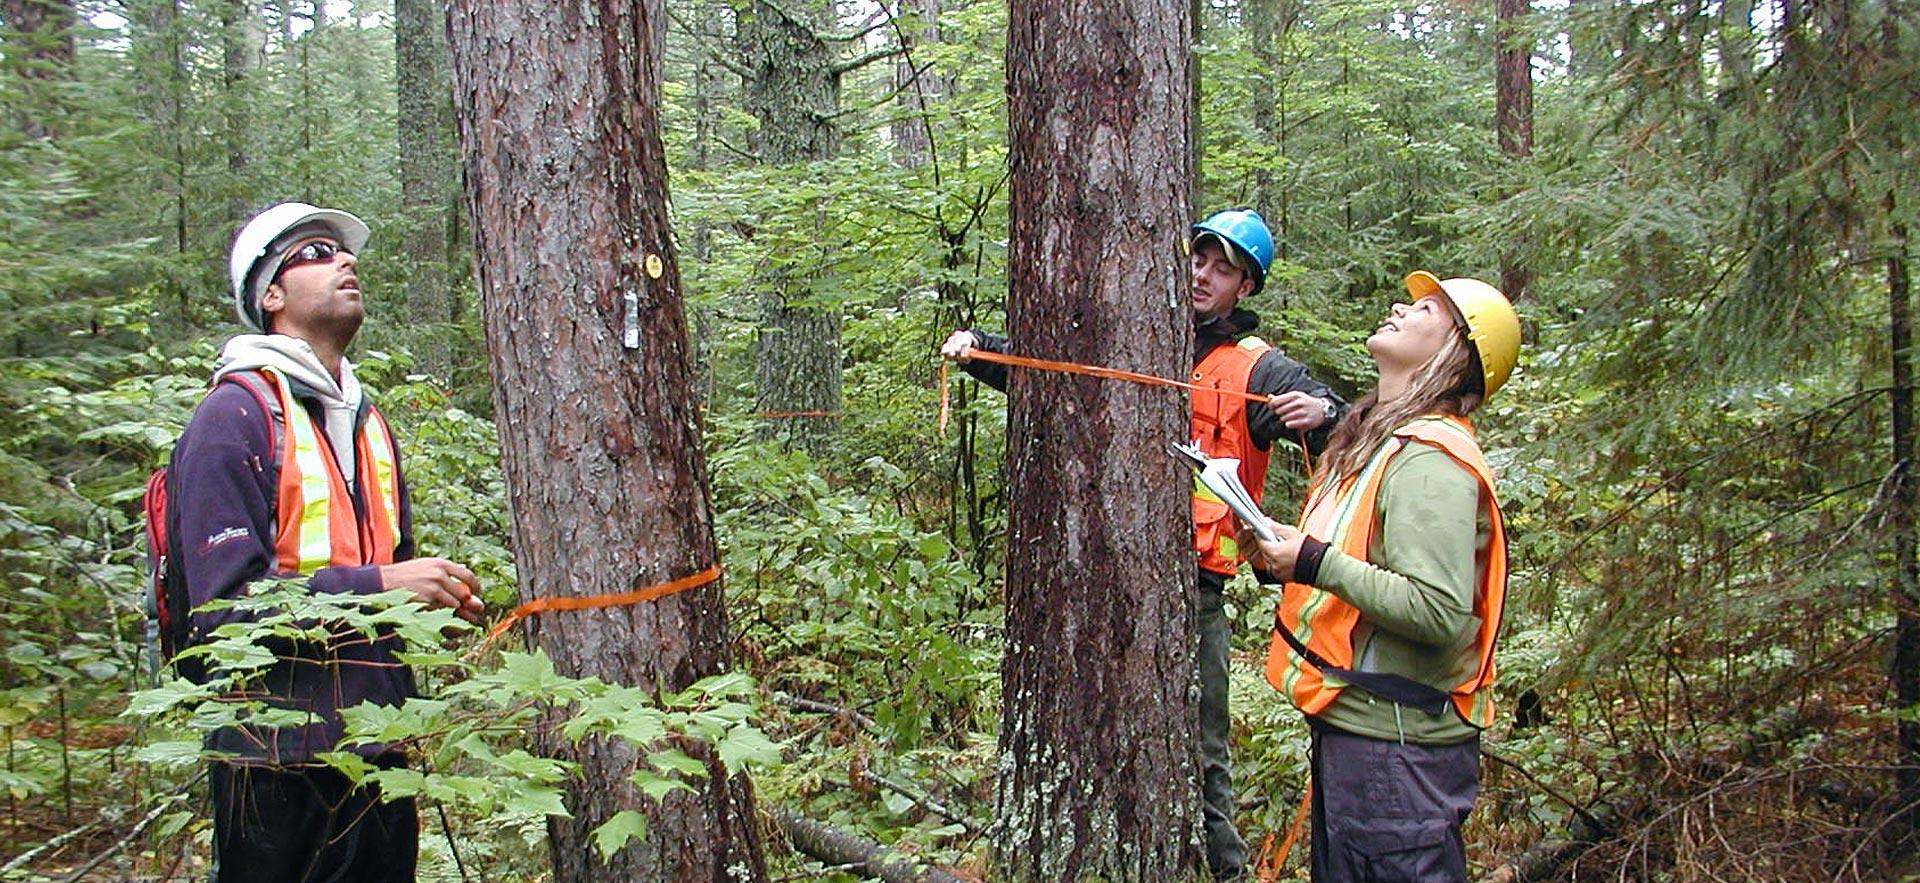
[{"x": 1394, "y": 579}]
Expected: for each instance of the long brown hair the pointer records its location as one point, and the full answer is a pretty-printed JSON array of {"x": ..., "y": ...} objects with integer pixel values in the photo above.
[{"x": 1449, "y": 383}]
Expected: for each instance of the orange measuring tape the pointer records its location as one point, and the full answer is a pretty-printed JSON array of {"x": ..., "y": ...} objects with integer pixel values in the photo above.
[
  {"x": 637, "y": 596},
  {"x": 1273, "y": 860},
  {"x": 946, "y": 408}
]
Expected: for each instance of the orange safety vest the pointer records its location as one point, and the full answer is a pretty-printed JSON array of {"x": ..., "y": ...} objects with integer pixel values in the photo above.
[
  {"x": 1344, "y": 516},
  {"x": 1220, "y": 429},
  {"x": 316, "y": 523}
]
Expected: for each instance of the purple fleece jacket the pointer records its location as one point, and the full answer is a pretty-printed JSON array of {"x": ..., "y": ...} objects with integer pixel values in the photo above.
[{"x": 221, "y": 484}]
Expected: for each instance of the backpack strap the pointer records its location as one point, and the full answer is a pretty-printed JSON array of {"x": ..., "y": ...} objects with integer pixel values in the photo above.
[
  {"x": 268, "y": 399},
  {"x": 177, "y": 600}
]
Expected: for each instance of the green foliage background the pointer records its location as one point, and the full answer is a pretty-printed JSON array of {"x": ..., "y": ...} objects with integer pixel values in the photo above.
[{"x": 1694, "y": 457}]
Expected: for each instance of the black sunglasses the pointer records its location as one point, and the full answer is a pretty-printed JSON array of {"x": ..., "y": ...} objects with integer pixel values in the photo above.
[{"x": 318, "y": 250}]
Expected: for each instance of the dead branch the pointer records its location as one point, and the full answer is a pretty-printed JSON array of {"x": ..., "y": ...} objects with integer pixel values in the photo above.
[
  {"x": 1593, "y": 825},
  {"x": 830, "y": 844},
  {"x": 139, "y": 827},
  {"x": 847, "y": 714}
]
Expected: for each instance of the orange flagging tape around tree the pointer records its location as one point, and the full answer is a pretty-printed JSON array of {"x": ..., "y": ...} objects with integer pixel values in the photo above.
[
  {"x": 637, "y": 596},
  {"x": 1098, "y": 371},
  {"x": 1271, "y": 859}
]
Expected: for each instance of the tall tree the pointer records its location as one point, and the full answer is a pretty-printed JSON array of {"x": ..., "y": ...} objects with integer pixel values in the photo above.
[
  {"x": 1904, "y": 668},
  {"x": 427, "y": 174},
  {"x": 241, "y": 35},
  {"x": 600, "y": 442},
  {"x": 1513, "y": 114},
  {"x": 919, "y": 86},
  {"x": 39, "y": 48},
  {"x": 792, "y": 88},
  {"x": 1097, "y": 747}
]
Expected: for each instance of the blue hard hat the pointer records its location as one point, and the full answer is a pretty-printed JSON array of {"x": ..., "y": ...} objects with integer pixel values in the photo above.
[{"x": 1245, "y": 231}]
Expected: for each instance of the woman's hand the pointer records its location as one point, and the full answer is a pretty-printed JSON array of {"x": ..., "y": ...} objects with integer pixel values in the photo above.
[{"x": 1273, "y": 556}]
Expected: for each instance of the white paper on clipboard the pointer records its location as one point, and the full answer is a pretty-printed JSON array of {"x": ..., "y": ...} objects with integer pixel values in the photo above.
[{"x": 1221, "y": 475}]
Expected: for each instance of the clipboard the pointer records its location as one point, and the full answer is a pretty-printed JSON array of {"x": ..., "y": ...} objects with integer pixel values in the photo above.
[{"x": 1221, "y": 475}]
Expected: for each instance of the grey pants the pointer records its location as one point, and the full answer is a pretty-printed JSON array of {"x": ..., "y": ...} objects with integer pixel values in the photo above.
[
  {"x": 1226, "y": 851},
  {"x": 1390, "y": 812}
]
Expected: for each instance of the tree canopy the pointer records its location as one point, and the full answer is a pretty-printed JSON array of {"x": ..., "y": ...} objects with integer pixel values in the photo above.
[{"x": 1711, "y": 663}]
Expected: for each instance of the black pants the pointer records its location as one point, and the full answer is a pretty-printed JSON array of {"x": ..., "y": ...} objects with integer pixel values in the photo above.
[
  {"x": 1226, "y": 850},
  {"x": 1390, "y": 812},
  {"x": 308, "y": 825}
]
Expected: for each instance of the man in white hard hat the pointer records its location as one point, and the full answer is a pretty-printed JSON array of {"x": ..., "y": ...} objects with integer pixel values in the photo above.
[{"x": 287, "y": 471}]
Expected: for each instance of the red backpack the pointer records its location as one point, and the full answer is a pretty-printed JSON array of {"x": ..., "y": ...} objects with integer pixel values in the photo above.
[{"x": 166, "y": 598}]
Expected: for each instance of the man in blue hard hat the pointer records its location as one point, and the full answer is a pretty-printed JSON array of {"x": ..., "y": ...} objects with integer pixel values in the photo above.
[{"x": 1231, "y": 252}]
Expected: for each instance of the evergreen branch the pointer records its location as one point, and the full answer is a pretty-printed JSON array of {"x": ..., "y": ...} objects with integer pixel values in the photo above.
[
  {"x": 1738, "y": 447},
  {"x": 882, "y": 101},
  {"x": 711, "y": 53},
  {"x": 747, "y": 155},
  {"x": 853, "y": 64}
]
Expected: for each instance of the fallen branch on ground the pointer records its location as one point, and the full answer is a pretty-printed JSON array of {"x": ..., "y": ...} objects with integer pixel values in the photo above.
[
  {"x": 830, "y": 844},
  {"x": 1593, "y": 825}
]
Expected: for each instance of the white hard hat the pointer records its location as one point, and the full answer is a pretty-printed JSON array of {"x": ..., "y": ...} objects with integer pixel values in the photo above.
[{"x": 256, "y": 245}]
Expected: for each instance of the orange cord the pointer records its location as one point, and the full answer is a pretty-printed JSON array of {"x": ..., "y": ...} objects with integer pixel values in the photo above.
[
  {"x": 637, "y": 596},
  {"x": 1110, "y": 374},
  {"x": 945, "y": 407},
  {"x": 1271, "y": 860}
]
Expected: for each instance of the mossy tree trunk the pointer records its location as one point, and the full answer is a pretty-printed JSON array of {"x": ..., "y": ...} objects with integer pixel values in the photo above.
[
  {"x": 428, "y": 175},
  {"x": 1098, "y": 757},
  {"x": 792, "y": 88},
  {"x": 1513, "y": 117},
  {"x": 558, "y": 112}
]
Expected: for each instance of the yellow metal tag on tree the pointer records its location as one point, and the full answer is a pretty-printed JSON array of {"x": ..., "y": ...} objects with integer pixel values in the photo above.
[{"x": 654, "y": 266}]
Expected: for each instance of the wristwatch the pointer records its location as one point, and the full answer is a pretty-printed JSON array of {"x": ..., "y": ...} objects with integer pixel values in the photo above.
[{"x": 1330, "y": 409}]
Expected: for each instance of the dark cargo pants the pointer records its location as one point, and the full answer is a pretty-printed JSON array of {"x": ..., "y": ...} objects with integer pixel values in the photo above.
[
  {"x": 1226, "y": 851},
  {"x": 1390, "y": 812},
  {"x": 309, "y": 825}
]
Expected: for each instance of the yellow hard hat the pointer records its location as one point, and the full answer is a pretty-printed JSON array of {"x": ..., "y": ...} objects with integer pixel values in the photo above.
[{"x": 1492, "y": 326}]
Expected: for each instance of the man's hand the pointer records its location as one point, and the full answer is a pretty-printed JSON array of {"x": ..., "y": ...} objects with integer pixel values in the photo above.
[
  {"x": 1273, "y": 556},
  {"x": 959, "y": 347},
  {"x": 1298, "y": 411},
  {"x": 437, "y": 582}
]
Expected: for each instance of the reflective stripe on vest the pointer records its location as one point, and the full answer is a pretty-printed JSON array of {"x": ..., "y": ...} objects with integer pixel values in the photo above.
[
  {"x": 317, "y": 524},
  {"x": 1219, "y": 427},
  {"x": 1345, "y": 515}
]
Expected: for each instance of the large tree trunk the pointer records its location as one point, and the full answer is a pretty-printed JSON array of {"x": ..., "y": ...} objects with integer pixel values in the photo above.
[
  {"x": 156, "y": 52},
  {"x": 427, "y": 177},
  {"x": 920, "y": 87},
  {"x": 558, "y": 116},
  {"x": 241, "y": 36},
  {"x": 1098, "y": 755},
  {"x": 1905, "y": 668},
  {"x": 1513, "y": 117},
  {"x": 794, "y": 93}
]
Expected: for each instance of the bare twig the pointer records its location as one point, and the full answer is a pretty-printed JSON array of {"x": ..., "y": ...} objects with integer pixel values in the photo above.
[
  {"x": 139, "y": 828},
  {"x": 799, "y": 704},
  {"x": 926, "y": 803},
  {"x": 53, "y": 845}
]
